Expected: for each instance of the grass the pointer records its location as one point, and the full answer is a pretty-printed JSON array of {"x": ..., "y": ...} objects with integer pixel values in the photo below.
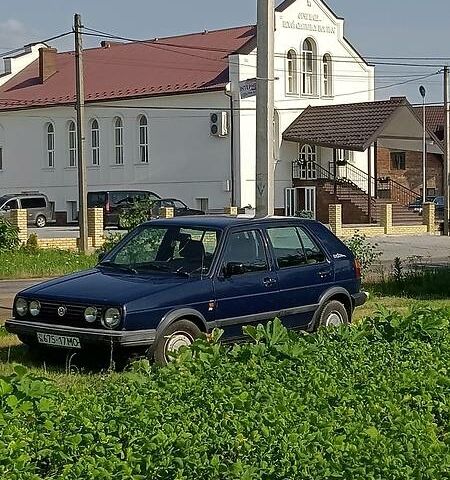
[{"x": 42, "y": 263}]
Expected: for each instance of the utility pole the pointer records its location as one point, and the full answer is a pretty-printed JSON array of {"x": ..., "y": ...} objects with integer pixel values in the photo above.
[
  {"x": 82, "y": 183},
  {"x": 447, "y": 154},
  {"x": 265, "y": 109},
  {"x": 424, "y": 145}
]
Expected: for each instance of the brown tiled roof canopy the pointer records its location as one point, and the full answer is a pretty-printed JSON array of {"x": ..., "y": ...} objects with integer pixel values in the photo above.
[
  {"x": 352, "y": 126},
  {"x": 435, "y": 118}
]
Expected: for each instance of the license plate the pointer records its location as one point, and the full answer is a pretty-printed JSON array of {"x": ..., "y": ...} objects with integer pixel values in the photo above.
[{"x": 58, "y": 340}]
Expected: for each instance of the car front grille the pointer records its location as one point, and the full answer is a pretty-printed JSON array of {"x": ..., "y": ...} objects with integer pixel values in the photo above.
[{"x": 73, "y": 317}]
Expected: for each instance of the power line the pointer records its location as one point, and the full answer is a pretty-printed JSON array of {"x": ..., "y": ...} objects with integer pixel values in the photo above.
[{"x": 20, "y": 49}]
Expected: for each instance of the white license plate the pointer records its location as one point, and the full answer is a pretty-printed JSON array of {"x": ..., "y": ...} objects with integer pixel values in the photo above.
[{"x": 58, "y": 340}]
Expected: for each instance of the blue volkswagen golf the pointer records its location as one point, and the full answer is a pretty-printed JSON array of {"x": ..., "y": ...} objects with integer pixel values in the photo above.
[{"x": 168, "y": 281}]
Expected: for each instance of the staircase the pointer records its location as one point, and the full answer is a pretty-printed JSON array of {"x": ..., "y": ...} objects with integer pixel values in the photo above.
[{"x": 351, "y": 187}]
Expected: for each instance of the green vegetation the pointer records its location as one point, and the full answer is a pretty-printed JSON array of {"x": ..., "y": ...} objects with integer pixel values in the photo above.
[
  {"x": 364, "y": 251},
  {"x": 370, "y": 401},
  {"x": 9, "y": 236},
  {"x": 23, "y": 263}
]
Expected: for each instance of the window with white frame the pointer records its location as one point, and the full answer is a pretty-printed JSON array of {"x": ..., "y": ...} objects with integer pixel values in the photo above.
[
  {"x": 50, "y": 143},
  {"x": 307, "y": 158},
  {"x": 118, "y": 140},
  {"x": 309, "y": 69},
  {"x": 291, "y": 74},
  {"x": 72, "y": 131},
  {"x": 143, "y": 139},
  {"x": 327, "y": 70},
  {"x": 95, "y": 143}
]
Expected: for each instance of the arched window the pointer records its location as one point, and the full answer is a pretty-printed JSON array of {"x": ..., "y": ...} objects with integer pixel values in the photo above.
[
  {"x": 292, "y": 77},
  {"x": 327, "y": 69},
  {"x": 118, "y": 140},
  {"x": 72, "y": 131},
  {"x": 95, "y": 143},
  {"x": 309, "y": 67},
  {"x": 50, "y": 143},
  {"x": 143, "y": 139},
  {"x": 307, "y": 157}
]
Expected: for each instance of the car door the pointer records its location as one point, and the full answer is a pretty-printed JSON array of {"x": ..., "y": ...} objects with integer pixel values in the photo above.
[
  {"x": 249, "y": 296},
  {"x": 12, "y": 204},
  {"x": 304, "y": 273}
]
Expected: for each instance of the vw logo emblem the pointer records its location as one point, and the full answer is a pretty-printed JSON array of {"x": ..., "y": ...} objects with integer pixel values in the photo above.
[{"x": 62, "y": 311}]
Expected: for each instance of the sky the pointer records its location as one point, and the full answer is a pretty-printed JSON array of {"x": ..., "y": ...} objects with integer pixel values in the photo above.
[{"x": 383, "y": 28}]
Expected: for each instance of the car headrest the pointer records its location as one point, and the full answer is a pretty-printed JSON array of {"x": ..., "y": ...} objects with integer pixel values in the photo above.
[{"x": 193, "y": 249}]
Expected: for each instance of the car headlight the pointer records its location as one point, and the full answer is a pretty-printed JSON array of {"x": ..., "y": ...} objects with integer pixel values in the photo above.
[
  {"x": 21, "y": 306},
  {"x": 90, "y": 314},
  {"x": 35, "y": 308},
  {"x": 112, "y": 318}
]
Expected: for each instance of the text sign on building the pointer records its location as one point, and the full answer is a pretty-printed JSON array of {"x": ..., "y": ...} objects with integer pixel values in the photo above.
[
  {"x": 247, "y": 88},
  {"x": 312, "y": 22}
]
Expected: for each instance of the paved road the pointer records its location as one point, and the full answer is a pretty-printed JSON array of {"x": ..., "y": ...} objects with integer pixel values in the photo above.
[
  {"x": 8, "y": 290},
  {"x": 432, "y": 248}
]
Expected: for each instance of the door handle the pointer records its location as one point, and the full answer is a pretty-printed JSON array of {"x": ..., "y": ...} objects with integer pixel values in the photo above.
[{"x": 269, "y": 282}]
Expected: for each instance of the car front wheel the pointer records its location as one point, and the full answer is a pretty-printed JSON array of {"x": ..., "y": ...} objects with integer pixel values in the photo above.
[
  {"x": 181, "y": 333},
  {"x": 333, "y": 314},
  {"x": 41, "y": 221}
]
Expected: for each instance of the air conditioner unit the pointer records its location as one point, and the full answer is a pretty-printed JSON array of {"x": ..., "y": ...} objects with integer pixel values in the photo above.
[{"x": 218, "y": 124}]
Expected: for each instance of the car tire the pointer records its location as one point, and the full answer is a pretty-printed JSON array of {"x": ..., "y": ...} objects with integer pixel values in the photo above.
[
  {"x": 333, "y": 313},
  {"x": 178, "y": 334},
  {"x": 41, "y": 221}
]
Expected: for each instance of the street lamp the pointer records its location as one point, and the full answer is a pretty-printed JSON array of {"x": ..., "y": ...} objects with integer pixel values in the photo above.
[{"x": 423, "y": 93}]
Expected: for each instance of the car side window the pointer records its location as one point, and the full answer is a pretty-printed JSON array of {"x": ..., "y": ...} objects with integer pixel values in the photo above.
[
  {"x": 37, "y": 202},
  {"x": 287, "y": 247},
  {"x": 246, "y": 248},
  {"x": 313, "y": 252},
  {"x": 11, "y": 205},
  {"x": 178, "y": 204}
]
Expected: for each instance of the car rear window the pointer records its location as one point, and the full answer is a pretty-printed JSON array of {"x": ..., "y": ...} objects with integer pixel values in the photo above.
[
  {"x": 96, "y": 199},
  {"x": 36, "y": 202}
]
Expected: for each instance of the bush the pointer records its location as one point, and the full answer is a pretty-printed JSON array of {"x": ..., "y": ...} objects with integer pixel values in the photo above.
[
  {"x": 371, "y": 401},
  {"x": 137, "y": 213},
  {"x": 364, "y": 251},
  {"x": 32, "y": 245},
  {"x": 111, "y": 240},
  {"x": 9, "y": 236}
]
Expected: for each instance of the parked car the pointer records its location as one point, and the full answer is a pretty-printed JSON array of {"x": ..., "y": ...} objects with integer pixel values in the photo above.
[
  {"x": 40, "y": 210},
  {"x": 417, "y": 205},
  {"x": 439, "y": 202},
  {"x": 180, "y": 209},
  {"x": 168, "y": 281},
  {"x": 115, "y": 202}
]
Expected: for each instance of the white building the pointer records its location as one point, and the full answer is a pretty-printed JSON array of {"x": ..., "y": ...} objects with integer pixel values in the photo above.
[{"x": 149, "y": 109}]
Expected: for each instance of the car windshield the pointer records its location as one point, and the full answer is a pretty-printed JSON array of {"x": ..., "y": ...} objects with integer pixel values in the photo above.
[
  {"x": 4, "y": 199},
  {"x": 177, "y": 250}
]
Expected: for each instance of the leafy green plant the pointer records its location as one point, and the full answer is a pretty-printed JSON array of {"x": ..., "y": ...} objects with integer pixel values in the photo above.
[
  {"x": 111, "y": 240},
  {"x": 9, "y": 236},
  {"x": 366, "y": 252},
  {"x": 32, "y": 244},
  {"x": 370, "y": 401},
  {"x": 135, "y": 214}
]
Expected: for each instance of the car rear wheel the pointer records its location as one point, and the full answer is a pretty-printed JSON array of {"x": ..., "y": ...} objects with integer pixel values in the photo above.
[
  {"x": 181, "y": 333},
  {"x": 41, "y": 221},
  {"x": 333, "y": 314}
]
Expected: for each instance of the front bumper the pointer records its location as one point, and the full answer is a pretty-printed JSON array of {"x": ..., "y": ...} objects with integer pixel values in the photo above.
[
  {"x": 86, "y": 336},
  {"x": 360, "y": 299}
]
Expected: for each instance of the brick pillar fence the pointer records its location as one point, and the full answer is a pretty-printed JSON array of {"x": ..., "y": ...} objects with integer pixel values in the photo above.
[
  {"x": 429, "y": 216},
  {"x": 18, "y": 218},
  {"x": 233, "y": 211},
  {"x": 166, "y": 212},
  {"x": 335, "y": 219},
  {"x": 386, "y": 218},
  {"x": 95, "y": 227}
]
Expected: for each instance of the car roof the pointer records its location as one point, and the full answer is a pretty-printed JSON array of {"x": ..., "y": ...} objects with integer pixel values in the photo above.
[{"x": 223, "y": 221}]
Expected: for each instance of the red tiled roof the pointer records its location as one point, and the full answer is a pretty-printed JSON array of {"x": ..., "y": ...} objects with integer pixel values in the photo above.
[
  {"x": 188, "y": 63},
  {"x": 435, "y": 119}
]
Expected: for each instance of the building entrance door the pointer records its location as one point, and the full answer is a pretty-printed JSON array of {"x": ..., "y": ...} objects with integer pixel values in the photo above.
[{"x": 300, "y": 199}]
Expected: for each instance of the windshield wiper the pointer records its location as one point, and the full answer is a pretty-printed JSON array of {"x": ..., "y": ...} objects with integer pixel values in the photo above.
[{"x": 116, "y": 266}]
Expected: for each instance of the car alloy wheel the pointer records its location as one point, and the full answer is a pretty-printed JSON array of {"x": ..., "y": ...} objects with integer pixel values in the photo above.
[
  {"x": 174, "y": 342},
  {"x": 333, "y": 314},
  {"x": 41, "y": 221}
]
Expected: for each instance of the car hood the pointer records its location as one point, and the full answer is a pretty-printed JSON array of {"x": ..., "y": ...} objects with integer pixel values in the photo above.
[{"x": 99, "y": 286}]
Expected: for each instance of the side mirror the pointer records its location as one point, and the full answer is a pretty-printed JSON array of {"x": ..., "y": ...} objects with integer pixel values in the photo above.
[
  {"x": 101, "y": 256},
  {"x": 232, "y": 269}
]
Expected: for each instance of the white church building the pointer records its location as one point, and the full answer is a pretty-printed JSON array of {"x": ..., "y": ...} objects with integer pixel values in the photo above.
[{"x": 175, "y": 115}]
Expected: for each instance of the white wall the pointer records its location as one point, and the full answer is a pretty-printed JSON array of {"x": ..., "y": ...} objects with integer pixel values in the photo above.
[
  {"x": 353, "y": 81},
  {"x": 185, "y": 160}
]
